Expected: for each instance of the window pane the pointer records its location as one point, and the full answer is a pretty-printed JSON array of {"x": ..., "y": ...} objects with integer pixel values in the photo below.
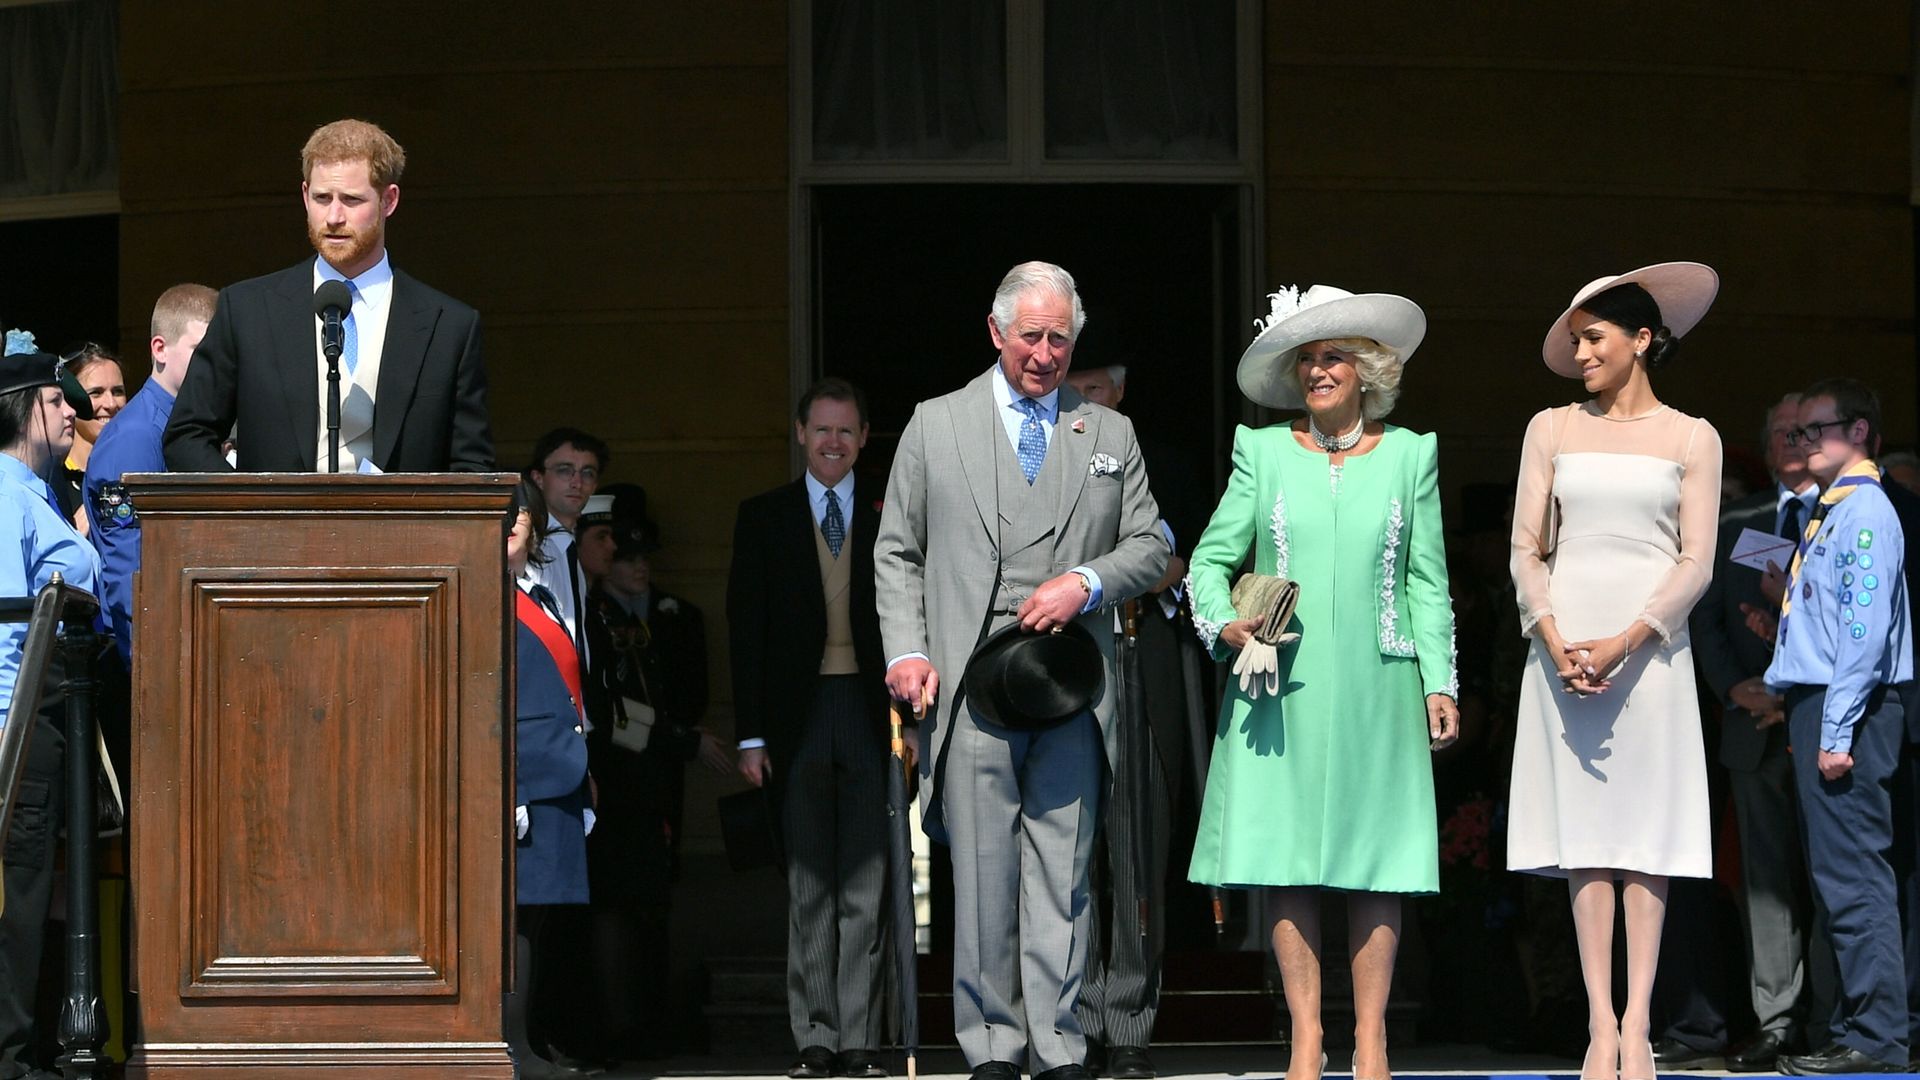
[
  {"x": 59, "y": 98},
  {"x": 919, "y": 81},
  {"x": 1141, "y": 80}
]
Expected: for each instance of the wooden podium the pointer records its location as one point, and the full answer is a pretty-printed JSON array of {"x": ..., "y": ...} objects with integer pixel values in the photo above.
[{"x": 320, "y": 868}]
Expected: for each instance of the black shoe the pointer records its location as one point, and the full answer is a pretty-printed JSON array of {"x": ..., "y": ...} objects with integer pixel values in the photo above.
[
  {"x": 1760, "y": 1054},
  {"x": 1064, "y": 1072},
  {"x": 536, "y": 1067},
  {"x": 1836, "y": 1058},
  {"x": 814, "y": 1063},
  {"x": 1096, "y": 1058},
  {"x": 1674, "y": 1054},
  {"x": 996, "y": 1070},
  {"x": 1130, "y": 1063},
  {"x": 862, "y": 1064}
]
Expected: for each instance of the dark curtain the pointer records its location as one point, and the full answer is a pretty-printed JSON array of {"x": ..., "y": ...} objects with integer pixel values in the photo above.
[
  {"x": 59, "y": 98},
  {"x": 1140, "y": 80},
  {"x": 920, "y": 81}
]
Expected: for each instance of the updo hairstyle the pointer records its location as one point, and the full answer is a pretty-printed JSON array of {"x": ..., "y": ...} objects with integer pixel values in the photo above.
[{"x": 1633, "y": 309}]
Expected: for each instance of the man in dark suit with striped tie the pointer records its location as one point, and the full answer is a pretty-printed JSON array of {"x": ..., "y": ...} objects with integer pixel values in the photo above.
[
  {"x": 810, "y": 705},
  {"x": 1753, "y": 749}
]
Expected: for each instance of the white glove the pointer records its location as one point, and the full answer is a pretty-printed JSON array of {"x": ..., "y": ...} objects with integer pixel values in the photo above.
[
  {"x": 521, "y": 823},
  {"x": 588, "y": 817},
  {"x": 1258, "y": 666}
]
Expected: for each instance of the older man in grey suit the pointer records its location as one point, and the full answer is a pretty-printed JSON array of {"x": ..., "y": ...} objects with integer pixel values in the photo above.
[{"x": 1013, "y": 499}]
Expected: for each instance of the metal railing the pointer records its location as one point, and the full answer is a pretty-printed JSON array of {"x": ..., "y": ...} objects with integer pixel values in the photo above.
[{"x": 61, "y": 616}]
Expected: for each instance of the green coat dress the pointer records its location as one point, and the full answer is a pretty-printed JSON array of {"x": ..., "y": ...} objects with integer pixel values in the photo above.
[{"x": 1331, "y": 783}]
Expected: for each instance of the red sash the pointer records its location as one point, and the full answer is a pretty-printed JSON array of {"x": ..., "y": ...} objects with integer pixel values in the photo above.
[{"x": 554, "y": 637}]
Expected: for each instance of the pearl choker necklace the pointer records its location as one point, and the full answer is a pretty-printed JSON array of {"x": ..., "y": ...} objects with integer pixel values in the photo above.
[{"x": 1336, "y": 444}]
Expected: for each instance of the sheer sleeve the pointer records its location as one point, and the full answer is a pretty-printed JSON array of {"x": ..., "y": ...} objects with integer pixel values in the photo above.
[
  {"x": 1682, "y": 586},
  {"x": 1533, "y": 521}
]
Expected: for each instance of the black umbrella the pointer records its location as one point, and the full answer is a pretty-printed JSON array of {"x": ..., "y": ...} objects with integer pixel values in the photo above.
[
  {"x": 1193, "y": 671},
  {"x": 1133, "y": 772},
  {"x": 900, "y": 867}
]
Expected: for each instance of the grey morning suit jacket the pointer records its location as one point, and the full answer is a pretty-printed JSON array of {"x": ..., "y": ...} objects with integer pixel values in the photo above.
[{"x": 937, "y": 552}]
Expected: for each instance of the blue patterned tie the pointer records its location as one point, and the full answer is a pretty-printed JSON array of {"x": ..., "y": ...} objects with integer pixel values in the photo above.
[
  {"x": 350, "y": 335},
  {"x": 1033, "y": 439},
  {"x": 834, "y": 528}
]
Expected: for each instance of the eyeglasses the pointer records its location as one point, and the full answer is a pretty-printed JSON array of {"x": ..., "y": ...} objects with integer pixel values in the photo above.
[
  {"x": 564, "y": 473},
  {"x": 1813, "y": 433}
]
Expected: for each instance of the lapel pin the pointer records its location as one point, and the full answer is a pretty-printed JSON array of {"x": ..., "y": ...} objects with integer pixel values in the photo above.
[{"x": 1080, "y": 426}]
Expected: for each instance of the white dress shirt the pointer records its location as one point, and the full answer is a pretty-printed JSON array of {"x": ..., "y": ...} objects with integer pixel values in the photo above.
[{"x": 372, "y": 303}]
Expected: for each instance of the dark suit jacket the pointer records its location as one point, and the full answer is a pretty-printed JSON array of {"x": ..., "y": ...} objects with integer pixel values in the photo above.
[
  {"x": 257, "y": 363},
  {"x": 660, "y": 662},
  {"x": 1906, "y": 505},
  {"x": 777, "y": 615},
  {"x": 1725, "y": 650}
]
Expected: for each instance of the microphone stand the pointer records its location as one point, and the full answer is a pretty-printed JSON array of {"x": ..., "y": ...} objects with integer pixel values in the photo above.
[{"x": 331, "y": 346}]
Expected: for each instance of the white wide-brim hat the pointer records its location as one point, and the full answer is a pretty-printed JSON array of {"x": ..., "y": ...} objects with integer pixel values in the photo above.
[
  {"x": 1684, "y": 291},
  {"x": 1322, "y": 313}
]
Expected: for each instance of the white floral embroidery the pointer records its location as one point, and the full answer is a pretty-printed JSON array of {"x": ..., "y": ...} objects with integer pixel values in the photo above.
[
  {"x": 1452, "y": 689},
  {"x": 1277, "y": 521},
  {"x": 1391, "y": 643},
  {"x": 1208, "y": 630}
]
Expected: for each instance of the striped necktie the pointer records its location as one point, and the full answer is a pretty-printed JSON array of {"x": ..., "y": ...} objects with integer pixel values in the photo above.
[{"x": 834, "y": 527}]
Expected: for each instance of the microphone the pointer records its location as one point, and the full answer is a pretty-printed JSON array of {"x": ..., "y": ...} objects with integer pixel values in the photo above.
[{"x": 332, "y": 302}]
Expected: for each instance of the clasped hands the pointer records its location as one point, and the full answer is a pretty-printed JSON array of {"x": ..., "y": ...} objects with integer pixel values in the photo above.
[{"x": 1586, "y": 667}]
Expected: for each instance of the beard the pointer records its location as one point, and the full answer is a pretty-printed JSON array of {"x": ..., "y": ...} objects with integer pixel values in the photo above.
[{"x": 358, "y": 246}]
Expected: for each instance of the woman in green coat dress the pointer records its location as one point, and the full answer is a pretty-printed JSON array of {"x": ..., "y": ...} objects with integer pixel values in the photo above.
[{"x": 1321, "y": 774}]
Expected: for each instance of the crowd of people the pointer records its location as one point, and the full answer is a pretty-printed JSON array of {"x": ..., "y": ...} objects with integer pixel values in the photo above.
[{"x": 1573, "y": 683}]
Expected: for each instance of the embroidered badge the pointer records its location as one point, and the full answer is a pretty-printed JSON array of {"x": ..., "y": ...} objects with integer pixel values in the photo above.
[
  {"x": 1848, "y": 557},
  {"x": 1806, "y": 591},
  {"x": 1820, "y": 549},
  {"x": 1865, "y": 599},
  {"x": 1846, "y": 596},
  {"x": 1871, "y": 581},
  {"x": 1846, "y": 614},
  {"x": 112, "y": 505},
  {"x": 1847, "y": 579},
  {"x": 1866, "y": 539},
  {"x": 1859, "y": 631},
  {"x": 1866, "y": 562}
]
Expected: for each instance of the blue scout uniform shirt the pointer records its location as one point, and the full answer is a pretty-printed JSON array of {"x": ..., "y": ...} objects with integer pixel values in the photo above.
[
  {"x": 35, "y": 543},
  {"x": 130, "y": 444},
  {"x": 1848, "y": 628}
]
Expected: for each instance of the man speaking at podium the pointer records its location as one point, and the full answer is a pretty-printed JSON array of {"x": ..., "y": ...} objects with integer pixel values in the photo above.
[{"x": 412, "y": 389}]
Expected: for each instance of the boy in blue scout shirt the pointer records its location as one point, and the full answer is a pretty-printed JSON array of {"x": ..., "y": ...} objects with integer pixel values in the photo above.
[
  {"x": 131, "y": 444},
  {"x": 1845, "y": 641}
]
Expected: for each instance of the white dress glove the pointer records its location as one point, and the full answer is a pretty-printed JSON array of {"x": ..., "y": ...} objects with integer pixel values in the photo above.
[
  {"x": 1258, "y": 667},
  {"x": 521, "y": 823}
]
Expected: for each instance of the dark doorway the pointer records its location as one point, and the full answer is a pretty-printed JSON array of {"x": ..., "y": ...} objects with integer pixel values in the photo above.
[
  {"x": 62, "y": 281},
  {"x": 904, "y": 275}
]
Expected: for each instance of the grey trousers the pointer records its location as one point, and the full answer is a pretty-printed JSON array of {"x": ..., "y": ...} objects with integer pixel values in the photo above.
[
  {"x": 1021, "y": 809},
  {"x": 834, "y": 818},
  {"x": 1773, "y": 888},
  {"x": 1121, "y": 996}
]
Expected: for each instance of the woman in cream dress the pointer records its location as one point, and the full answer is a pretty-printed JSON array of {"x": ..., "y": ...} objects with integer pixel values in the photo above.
[{"x": 1614, "y": 523}]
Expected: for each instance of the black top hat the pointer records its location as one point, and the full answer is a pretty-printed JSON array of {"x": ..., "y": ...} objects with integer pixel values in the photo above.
[
  {"x": 747, "y": 830},
  {"x": 1018, "y": 679},
  {"x": 24, "y": 371}
]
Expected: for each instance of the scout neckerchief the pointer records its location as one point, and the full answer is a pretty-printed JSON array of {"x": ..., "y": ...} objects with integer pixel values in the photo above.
[{"x": 1848, "y": 482}]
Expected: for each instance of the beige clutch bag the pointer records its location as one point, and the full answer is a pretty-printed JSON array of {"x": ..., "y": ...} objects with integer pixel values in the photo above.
[{"x": 1270, "y": 600}]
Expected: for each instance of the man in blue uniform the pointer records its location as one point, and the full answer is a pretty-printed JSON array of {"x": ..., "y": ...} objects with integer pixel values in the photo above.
[
  {"x": 1845, "y": 644},
  {"x": 131, "y": 444},
  {"x": 36, "y": 542}
]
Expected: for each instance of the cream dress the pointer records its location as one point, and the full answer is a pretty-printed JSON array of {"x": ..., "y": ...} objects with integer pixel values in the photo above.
[{"x": 1613, "y": 521}]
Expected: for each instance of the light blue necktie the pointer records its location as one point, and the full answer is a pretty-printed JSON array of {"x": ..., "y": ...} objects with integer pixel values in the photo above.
[
  {"x": 1033, "y": 439},
  {"x": 350, "y": 335},
  {"x": 834, "y": 528}
]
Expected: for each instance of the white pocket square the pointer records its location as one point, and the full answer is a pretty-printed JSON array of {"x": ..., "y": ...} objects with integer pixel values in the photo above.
[{"x": 1103, "y": 465}]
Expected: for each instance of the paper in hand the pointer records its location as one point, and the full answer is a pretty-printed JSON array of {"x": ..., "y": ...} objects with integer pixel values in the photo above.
[{"x": 1756, "y": 549}]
